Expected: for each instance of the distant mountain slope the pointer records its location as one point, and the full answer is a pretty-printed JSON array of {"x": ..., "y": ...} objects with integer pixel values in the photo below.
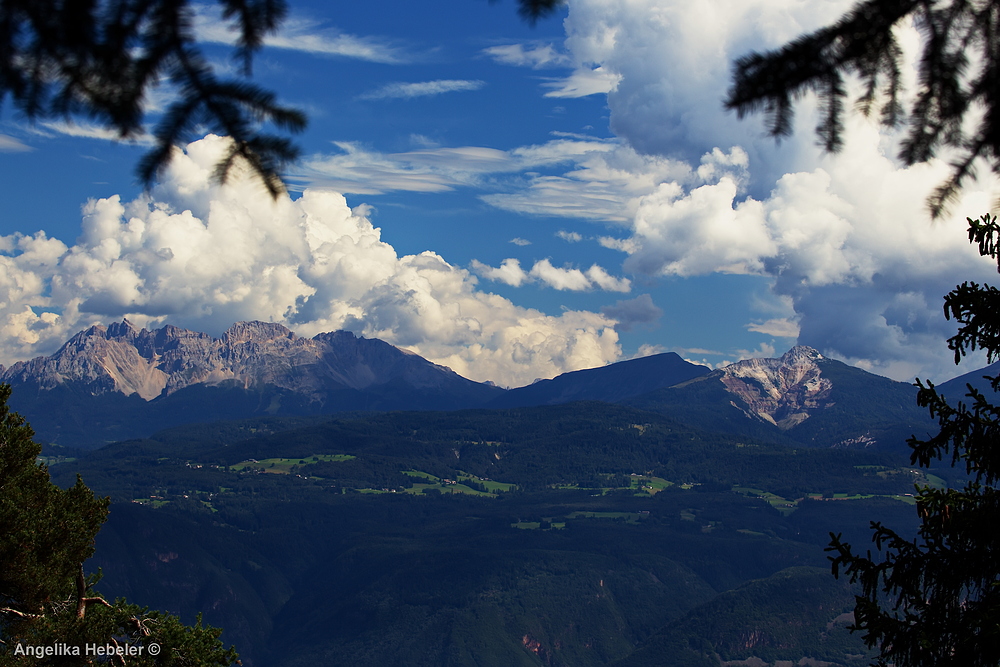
[
  {"x": 119, "y": 382},
  {"x": 955, "y": 389},
  {"x": 611, "y": 383},
  {"x": 799, "y": 398}
]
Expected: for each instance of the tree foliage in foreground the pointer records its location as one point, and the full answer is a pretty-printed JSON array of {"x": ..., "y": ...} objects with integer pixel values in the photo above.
[
  {"x": 532, "y": 10},
  {"x": 935, "y": 600},
  {"x": 49, "y": 612},
  {"x": 101, "y": 60},
  {"x": 958, "y": 78}
]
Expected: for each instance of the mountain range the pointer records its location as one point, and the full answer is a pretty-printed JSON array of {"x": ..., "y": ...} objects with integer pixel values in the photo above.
[
  {"x": 118, "y": 382},
  {"x": 351, "y": 503}
]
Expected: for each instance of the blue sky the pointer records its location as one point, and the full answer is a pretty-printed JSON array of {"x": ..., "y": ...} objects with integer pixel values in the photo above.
[{"x": 512, "y": 202}]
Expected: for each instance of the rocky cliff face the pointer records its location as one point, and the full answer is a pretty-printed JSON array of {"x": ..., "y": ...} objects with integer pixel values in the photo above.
[
  {"x": 122, "y": 358},
  {"x": 781, "y": 391}
]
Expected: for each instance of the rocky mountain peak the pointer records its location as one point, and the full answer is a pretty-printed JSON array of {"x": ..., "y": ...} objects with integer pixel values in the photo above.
[
  {"x": 123, "y": 329},
  {"x": 782, "y": 391},
  {"x": 801, "y": 354},
  {"x": 256, "y": 332}
]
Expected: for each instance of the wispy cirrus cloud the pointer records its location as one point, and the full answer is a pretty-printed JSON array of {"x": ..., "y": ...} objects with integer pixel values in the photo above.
[
  {"x": 601, "y": 185},
  {"x": 305, "y": 35},
  {"x": 360, "y": 170},
  {"x": 399, "y": 90},
  {"x": 94, "y": 131},
  {"x": 9, "y": 144}
]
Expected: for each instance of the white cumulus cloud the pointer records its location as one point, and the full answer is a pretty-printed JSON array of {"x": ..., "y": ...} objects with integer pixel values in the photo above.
[
  {"x": 673, "y": 60},
  {"x": 598, "y": 276},
  {"x": 565, "y": 278},
  {"x": 560, "y": 278},
  {"x": 570, "y": 237},
  {"x": 509, "y": 272}
]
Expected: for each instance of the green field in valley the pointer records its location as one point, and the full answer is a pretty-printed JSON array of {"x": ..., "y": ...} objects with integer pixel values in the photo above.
[{"x": 284, "y": 466}]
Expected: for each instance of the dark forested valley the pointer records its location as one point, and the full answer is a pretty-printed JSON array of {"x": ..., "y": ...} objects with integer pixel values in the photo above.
[{"x": 577, "y": 534}]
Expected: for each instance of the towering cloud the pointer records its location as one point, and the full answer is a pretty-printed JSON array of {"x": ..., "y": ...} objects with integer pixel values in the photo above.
[{"x": 204, "y": 255}]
